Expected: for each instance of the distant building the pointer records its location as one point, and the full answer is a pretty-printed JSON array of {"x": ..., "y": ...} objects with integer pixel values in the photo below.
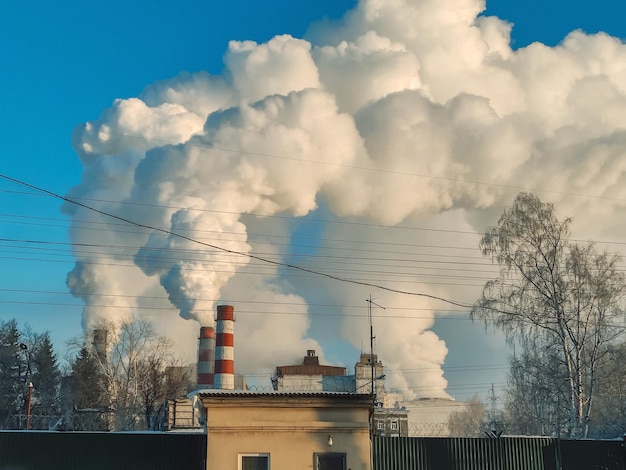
[
  {"x": 430, "y": 416},
  {"x": 392, "y": 416},
  {"x": 389, "y": 422},
  {"x": 369, "y": 376},
  {"x": 312, "y": 376},
  {"x": 389, "y": 417}
]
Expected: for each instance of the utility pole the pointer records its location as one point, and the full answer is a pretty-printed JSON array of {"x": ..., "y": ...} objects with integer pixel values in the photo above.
[
  {"x": 27, "y": 376},
  {"x": 495, "y": 429},
  {"x": 370, "y": 302},
  {"x": 493, "y": 398},
  {"x": 30, "y": 396}
]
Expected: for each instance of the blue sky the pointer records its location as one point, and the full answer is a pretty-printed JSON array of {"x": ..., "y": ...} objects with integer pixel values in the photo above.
[{"x": 64, "y": 63}]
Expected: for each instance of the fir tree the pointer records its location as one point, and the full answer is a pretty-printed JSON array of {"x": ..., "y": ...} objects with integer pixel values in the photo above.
[
  {"x": 12, "y": 367},
  {"x": 46, "y": 377},
  {"x": 87, "y": 381}
]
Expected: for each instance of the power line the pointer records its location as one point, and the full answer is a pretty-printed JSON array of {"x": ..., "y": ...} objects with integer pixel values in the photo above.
[
  {"x": 76, "y": 200},
  {"x": 236, "y": 252},
  {"x": 313, "y": 272}
]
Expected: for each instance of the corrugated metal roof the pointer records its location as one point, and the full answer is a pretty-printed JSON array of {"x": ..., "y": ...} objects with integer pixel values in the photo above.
[{"x": 277, "y": 393}]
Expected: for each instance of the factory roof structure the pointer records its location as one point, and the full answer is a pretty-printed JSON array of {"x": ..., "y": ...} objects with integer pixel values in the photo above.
[{"x": 310, "y": 366}]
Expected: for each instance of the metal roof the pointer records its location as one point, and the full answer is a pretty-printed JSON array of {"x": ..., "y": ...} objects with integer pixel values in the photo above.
[{"x": 276, "y": 393}]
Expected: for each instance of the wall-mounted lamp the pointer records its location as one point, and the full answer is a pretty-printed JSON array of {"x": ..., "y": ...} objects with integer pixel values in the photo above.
[{"x": 330, "y": 441}]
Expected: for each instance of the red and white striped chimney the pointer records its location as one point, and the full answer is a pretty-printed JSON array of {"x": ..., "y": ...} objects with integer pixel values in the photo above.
[
  {"x": 224, "y": 348},
  {"x": 206, "y": 353}
]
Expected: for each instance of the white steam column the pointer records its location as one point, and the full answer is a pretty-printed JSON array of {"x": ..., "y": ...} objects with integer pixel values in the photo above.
[
  {"x": 225, "y": 348},
  {"x": 206, "y": 356}
]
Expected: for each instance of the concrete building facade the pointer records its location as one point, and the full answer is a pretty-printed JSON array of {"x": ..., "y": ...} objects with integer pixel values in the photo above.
[{"x": 280, "y": 430}]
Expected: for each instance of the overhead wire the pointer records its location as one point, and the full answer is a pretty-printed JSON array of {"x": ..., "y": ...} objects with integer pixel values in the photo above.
[
  {"x": 265, "y": 259},
  {"x": 236, "y": 252},
  {"x": 313, "y": 272},
  {"x": 325, "y": 221}
]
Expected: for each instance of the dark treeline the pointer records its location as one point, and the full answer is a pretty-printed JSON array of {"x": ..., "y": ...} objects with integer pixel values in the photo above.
[{"x": 117, "y": 378}]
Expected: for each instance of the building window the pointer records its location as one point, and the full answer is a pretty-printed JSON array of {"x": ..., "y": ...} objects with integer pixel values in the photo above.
[
  {"x": 380, "y": 425},
  {"x": 329, "y": 461},
  {"x": 254, "y": 462},
  {"x": 394, "y": 426}
]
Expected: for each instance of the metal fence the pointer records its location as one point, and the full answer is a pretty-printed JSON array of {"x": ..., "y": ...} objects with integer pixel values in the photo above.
[
  {"x": 508, "y": 453},
  {"x": 36, "y": 450}
]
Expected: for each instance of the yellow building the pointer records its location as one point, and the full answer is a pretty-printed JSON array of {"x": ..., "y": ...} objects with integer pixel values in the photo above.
[{"x": 249, "y": 430}]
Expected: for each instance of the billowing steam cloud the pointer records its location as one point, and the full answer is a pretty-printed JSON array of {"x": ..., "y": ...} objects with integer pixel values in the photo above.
[{"x": 404, "y": 112}]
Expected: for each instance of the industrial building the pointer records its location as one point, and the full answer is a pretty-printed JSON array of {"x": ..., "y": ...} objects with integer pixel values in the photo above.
[
  {"x": 300, "y": 424},
  {"x": 393, "y": 415},
  {"x": 389, "y": 417},
  {"x": 262, "y": 430}
]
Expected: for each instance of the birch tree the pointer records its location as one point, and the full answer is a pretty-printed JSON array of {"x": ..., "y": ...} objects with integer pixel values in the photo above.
[
  {"x": 610, "y": 413},
  {"x": 133, "y": 374},
  {"x": 552, "y": 292},
  {"x": 536, "y": 401}
]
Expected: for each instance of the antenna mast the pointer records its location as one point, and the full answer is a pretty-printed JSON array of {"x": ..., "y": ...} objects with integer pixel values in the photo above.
[{"x": 370, "y": 302}]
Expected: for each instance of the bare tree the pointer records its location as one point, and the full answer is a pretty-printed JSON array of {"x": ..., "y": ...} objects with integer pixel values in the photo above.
[
  {"x": 537, "y": 400},
  {"x": 552, "y": 292},
  {"x": 133, "y": 365},
  {"x": 610, "y": 416},
  {"x": 471, "y": 421}
]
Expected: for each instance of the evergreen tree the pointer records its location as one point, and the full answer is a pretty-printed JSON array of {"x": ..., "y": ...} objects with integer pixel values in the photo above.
[
  {"x": 87, "y": 382},
  {"x": 46, "y": 377},
  {"x": 86, "y": 396},
  {"x": 12, "y": 370}
]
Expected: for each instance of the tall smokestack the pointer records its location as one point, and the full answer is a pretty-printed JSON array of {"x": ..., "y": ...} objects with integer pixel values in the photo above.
[
  {"x": 206, "y": 353},
  {"x": 100, "y": 345},
  {"x": 224, "y": 348}
]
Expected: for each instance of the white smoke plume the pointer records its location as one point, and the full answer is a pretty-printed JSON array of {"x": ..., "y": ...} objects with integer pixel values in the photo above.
[{"x": 406, "y": 112}]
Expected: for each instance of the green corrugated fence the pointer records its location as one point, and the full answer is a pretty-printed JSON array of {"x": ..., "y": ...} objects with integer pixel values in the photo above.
[
  {"x": 41, "y": 450},
  {"x": 507, "y": 453},
  {"x": 36, "y": 450}
]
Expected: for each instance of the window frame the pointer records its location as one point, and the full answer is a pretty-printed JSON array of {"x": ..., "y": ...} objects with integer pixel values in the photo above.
[
  {"x": 342, "y": 455},
  {"x": 242, "y": 455}
]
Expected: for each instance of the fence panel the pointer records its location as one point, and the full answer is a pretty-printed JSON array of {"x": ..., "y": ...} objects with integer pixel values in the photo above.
[
  {"x": 507, "y": 453},
  {"x": 35, "y": 450}
]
